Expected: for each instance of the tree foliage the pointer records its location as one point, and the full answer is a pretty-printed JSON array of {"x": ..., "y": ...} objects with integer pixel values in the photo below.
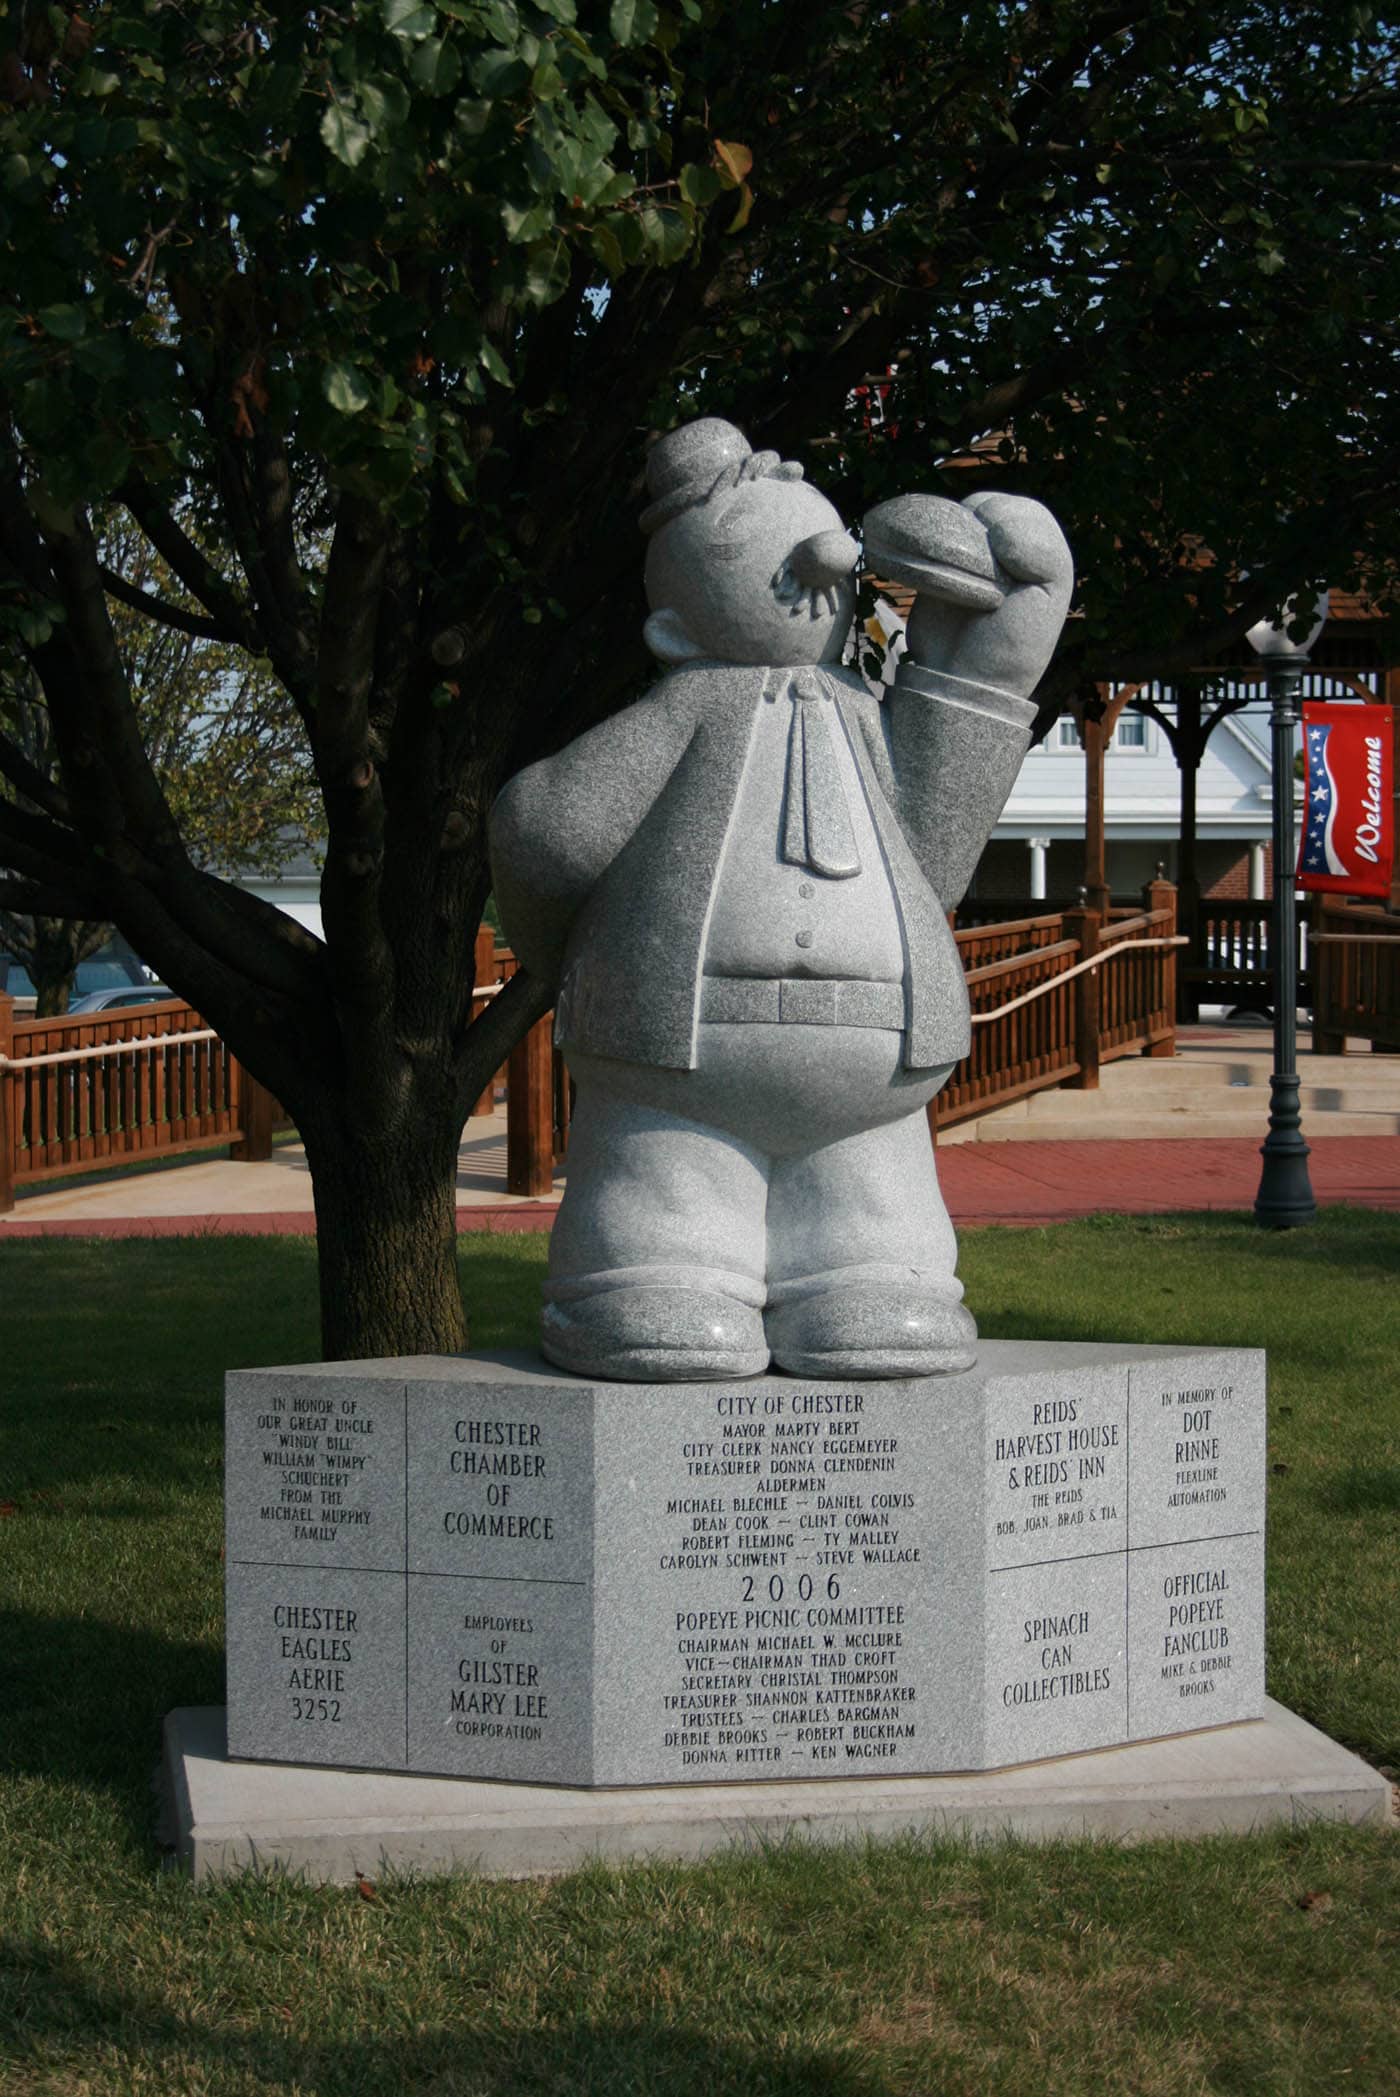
[{"x": 363, "y": 316}]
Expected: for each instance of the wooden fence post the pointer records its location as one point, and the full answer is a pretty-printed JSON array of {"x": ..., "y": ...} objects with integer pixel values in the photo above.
[
  {"x": 1084, "y": 925},
  {"x": 8, "y": 1117},
  {"x": 255, "y": 1114},
  {"x": 530, "y": 1112},
  {"x": 1160, "y": 894}
]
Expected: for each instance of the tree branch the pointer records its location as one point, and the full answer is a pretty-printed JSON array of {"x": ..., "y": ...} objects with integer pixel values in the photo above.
[
  {"x": 507, "y": 1017},
  {"x": 164, "y": 613},
  {"x": 350, "y": 781},
  {"x": 191, "y": 564},
  {"x": 95, "y": 724},
  {"x": 31, "y": 782}
]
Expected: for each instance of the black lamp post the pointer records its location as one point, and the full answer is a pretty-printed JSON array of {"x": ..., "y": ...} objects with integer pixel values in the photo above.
[{"x": 1285, "y": 1197}]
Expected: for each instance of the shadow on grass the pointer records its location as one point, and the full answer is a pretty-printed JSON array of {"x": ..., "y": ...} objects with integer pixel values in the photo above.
[
  {"x": 60, "y": 2008},
  {"x": 1357, "y": 1491},
  {"x": 1360, "y": 1240},
  {"x": 85, "y": 1701}
]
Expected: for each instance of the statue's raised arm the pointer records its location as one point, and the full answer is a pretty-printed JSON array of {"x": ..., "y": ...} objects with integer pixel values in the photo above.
[{"x": 992, "y": 577}]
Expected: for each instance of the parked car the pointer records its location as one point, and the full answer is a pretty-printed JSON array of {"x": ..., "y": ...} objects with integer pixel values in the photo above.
[
  {"x": 111, "y": 969},
  {"x": 126, "y": 994}
]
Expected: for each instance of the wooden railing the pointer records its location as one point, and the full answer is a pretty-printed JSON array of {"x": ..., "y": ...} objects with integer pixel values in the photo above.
[
  {"x": 1137, "y": 995},
  {"x": 1017, "y": 1052},
  {"x": 118, "y": 1088},
  {"x": 1050, "y": 1013},
  {"x": 1356, "y": 975},
  {"x": 1051, "y": 997},
  {"x": 980, "y": 943},
  {"x": 1229, "y": 959}
]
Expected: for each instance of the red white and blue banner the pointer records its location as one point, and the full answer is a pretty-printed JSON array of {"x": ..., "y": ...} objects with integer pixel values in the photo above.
[{"x": 1348, "y": 839}]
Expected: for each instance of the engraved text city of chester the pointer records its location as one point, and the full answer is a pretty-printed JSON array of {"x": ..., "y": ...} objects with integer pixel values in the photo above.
[{"x": 796, "y": 1509}]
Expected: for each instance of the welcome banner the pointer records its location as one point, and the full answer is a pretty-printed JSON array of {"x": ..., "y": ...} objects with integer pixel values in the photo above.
[{"x": 1348, "y": 838}]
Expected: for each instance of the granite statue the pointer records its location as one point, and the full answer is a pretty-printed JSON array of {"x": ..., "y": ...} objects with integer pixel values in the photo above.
[{"x": 740, "y": 886}]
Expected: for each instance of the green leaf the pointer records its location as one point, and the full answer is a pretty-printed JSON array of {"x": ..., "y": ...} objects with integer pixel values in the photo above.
[
  {"x": 526, "y": 221},
  {"x": 608, "y": 249},
  {"x": 106, "y": 463},
  {"x": 384, "y": 102},
  {"x": 499, "y": 73},
  {"x": 64, "y": 323},
  {"x": 436, "y": 66},
  {"x": 546, "y": 272},
  {"x": 345, "y": 135},
  {"x": 632, "y": 21},
  {"x": 741, "y": 216},
  {"x": 407, "y": 19},
  {"x": 345, "y": 388},
  {"x": 491, "y": 360},
  {"x": 734, "y": 161},
  {"x": 626, "y": 229},
  {"x": 665, "y": 232},
  {"x": 700, "y": 185}
]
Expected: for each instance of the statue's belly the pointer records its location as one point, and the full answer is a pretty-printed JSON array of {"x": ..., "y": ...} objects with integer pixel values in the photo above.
[
  {"x": 772, "y": 919},
  {"x": 785, "y": 1090}
]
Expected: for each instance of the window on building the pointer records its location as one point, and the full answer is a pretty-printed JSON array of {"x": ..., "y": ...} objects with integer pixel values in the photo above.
[{"x": 1129, "y": 733}]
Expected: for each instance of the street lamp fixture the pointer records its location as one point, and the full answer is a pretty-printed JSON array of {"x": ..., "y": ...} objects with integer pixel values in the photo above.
[{"x": 1285, "y": 1197}]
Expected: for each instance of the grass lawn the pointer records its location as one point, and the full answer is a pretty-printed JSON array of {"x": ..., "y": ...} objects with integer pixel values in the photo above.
[{"x": 1254, "y": 1964}]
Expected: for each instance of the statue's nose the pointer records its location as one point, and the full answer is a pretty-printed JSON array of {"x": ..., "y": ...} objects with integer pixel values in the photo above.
[{"x": 824, "y": 559}]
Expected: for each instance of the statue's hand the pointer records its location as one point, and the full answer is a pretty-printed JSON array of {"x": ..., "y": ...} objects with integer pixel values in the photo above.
[{"x": 1010, "y": 646}]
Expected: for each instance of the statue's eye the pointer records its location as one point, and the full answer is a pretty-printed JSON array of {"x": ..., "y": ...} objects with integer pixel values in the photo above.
[{"x": 731, "y": 527}]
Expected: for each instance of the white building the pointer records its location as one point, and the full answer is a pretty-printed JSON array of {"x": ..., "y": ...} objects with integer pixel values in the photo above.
[{"x": 1037, "y": 848}]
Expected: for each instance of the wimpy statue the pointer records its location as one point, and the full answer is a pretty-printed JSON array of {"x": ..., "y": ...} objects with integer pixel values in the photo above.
[{"x": 740, "y": 886}]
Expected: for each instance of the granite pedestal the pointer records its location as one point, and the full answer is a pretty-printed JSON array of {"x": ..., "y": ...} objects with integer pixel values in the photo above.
[
  {"x": 336, "y": 1825},
  {"x": 478, "y": 1568}
]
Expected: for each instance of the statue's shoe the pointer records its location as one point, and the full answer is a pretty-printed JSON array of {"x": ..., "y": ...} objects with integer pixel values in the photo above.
[
  {"x": 655, "y": 1335},
  {"x": 871, "y": 1329}
]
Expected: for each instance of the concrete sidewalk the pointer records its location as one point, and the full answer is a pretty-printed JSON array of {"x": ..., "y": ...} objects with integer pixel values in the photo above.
[{"x": 1006, "y": 1182}]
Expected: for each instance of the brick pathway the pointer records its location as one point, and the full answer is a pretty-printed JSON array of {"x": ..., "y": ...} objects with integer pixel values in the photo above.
[
  {"x": 1009, "y": 1183},
  {"x": 1053, "y": 1182}
]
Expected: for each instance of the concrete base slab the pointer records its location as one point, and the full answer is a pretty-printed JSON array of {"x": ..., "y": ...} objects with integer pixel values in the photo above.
[{"x": 333, "y": 1825}]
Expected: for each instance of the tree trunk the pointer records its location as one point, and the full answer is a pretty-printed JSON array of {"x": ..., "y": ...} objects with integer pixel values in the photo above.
[
  {"x": 386, "y": 1221},
  {"x": 53, "y": 995},
  {"x": 54, "y": 966}
]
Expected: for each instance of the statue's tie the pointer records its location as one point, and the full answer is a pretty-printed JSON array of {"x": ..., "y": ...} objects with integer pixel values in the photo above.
[{"x": 817, "y": 820}]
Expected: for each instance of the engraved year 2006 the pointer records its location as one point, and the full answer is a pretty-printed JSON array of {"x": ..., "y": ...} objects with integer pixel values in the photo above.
[{"x": 776, "y": 1587}]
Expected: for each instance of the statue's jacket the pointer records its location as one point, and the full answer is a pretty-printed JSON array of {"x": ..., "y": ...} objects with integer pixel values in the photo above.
[{"x": 605, "y": 858}]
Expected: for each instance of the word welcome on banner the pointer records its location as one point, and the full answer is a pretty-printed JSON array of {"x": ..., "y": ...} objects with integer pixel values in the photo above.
[{"x": 1348, "y": 841}]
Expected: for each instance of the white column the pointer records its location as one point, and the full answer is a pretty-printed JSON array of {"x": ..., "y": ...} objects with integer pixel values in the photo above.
[
  {"x": 1039, "y": 847},
  {"x": 1257, "y": 888}
]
